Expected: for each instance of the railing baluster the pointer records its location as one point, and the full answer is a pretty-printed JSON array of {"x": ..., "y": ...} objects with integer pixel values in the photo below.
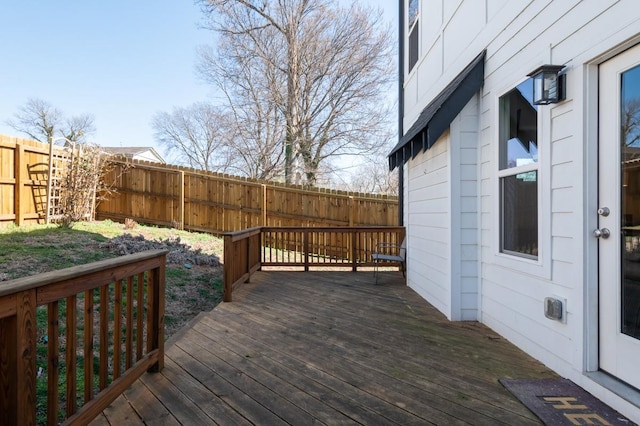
[
  {"x": 139, "y": 315},
  {"x": 104, "y": 337},
  {"x": 70, "y": 355},
  {"x": 354, "y": 259},
  {"x": 88, "y": 345},
  {"x": 117, "y": 328},
  {"x": 129, "y": 322},
  {"x": 52, "y": 363},
  {"x": 305, "y": 245}
]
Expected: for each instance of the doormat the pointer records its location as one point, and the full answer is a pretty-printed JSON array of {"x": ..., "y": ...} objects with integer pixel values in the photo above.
[{"x": 562, "y": 402}]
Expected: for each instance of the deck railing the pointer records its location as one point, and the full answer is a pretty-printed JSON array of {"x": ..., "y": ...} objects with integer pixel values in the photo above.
[
  {"x": 48, "y": 329},
  {"x": 335, "y": 247}
]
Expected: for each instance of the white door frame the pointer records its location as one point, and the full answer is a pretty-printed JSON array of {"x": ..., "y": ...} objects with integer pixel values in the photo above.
[{"x": 588, "y": 83}]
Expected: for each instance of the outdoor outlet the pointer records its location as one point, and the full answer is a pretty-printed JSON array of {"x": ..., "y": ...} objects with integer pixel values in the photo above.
[{"x": 555, "y": 308}]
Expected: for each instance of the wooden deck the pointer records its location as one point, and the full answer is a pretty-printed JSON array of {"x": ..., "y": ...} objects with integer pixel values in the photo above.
[{"x": 329, "y": 348}]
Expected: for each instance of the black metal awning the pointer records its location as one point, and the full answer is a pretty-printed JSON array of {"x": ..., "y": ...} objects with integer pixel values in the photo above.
[{"x": 439, "y": 114}]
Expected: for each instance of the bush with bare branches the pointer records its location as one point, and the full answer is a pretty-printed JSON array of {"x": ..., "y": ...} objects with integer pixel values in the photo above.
[{"x": 83, "y": 184}]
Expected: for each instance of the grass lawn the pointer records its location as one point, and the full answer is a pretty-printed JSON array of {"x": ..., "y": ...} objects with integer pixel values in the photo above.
[{"x": 193, "y": 275}]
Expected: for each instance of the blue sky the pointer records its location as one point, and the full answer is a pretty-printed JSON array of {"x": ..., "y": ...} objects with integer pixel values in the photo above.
[{"x": 121, "y": 61}]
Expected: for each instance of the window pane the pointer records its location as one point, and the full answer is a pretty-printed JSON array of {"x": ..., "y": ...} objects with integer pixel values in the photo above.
[
  {"x": 519, "y": 208},
  {"x": 413, "y": 11},
  {"x": 413, "y": 47},
  {"x": 518, "y": 127}
]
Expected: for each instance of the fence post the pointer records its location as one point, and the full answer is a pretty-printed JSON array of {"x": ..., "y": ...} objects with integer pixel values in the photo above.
[
  {"x": 181, "y": 199},
  {"x": 18, "y": 153},
  {"x": 264, "y": 205},
  {"x": 352, "y": 208}
]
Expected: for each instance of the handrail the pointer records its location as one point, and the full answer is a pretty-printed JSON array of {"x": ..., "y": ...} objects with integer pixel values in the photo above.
[
  {"x": 241, "y": 258},
  {"x": 128, "y": 339},
  {"x": 349, "y": 246}
]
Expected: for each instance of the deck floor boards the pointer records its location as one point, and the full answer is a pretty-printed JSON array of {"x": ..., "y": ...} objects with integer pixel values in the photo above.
[{"x": 331, "y": 348}]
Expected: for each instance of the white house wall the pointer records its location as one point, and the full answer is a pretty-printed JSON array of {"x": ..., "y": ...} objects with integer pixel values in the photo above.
[
  {"x": 451, "y": 206},
  {"x": 443, "y": 219},
  {"x": 428, "y": 219}
]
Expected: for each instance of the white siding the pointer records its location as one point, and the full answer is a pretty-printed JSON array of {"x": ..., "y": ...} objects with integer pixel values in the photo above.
[
  {"x": 428, "y": 224},
  {"x": 464, "y": 213},
  {"x": 442, "y": 220},
  {"x": 452, "y": 189},
  {"x": 147, "y": 156}
]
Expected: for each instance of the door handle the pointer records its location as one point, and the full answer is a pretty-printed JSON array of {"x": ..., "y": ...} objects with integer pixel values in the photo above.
[{"x": 602, "y": 233}]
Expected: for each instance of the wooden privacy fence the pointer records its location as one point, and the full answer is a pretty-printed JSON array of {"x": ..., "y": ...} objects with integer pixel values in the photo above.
[
  {"x": 24, "y": 171},
  {"x": 211, "y": 202},
  {"x": 48, "y": 329},
  {"x": 185, "y": 198},
  {"x": 251, "y": 249}
]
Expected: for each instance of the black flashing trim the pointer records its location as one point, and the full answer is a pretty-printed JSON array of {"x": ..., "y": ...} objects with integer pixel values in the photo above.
[{"x": 435, "y": 119}]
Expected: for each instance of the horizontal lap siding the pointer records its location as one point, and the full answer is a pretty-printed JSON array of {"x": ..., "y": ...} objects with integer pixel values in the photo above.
[
  {"x": 428, "y": 252},
  {"x": 519, "y": 36}
]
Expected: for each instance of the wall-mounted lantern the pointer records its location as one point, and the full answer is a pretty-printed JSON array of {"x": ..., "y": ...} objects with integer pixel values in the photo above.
[{"x": 548, "y": 84}]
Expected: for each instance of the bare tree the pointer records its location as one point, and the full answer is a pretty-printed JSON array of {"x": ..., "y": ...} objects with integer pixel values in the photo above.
[
  {"x": 37, "y": 119},
  {"x": 78, "y": 128},
  {"x": 256, "y": 123},
  {"x": 630, "y": 122},
  {"x": 321, "y": 70},
  {"x": 374, "y": 177},
  {"x": 195, "y": 134},
  {"x": 41, "y": 121}
]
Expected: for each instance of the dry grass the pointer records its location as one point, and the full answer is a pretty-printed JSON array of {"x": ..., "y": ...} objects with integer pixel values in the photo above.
[{"x": 194, "y": 273}]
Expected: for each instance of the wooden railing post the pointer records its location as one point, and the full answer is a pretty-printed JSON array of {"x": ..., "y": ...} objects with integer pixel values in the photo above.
[
  {"x": 227, "y": 272},
  {"x": 26, "y": 357},
  {"x": 247, "y": 257},
  {"x": 156, "y": 312}
]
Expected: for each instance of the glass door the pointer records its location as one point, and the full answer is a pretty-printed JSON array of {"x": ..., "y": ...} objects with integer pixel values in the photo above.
[{"x": 619, "y": 216}]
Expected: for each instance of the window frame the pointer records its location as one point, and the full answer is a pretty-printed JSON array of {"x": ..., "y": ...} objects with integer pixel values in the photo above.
[
  {"x": 410, "y": 29},
  {"x": 504, "y": 171},
  {"x": 540, "y": 266}
]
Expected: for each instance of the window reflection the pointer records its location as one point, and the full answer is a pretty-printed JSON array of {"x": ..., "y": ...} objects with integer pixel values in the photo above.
[{"x": 630, "y": 199}]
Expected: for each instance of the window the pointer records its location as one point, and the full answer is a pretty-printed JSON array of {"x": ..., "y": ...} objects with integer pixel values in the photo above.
[
  {"x": 519, "y": 172},
  {"x": 413, "y": 12}
]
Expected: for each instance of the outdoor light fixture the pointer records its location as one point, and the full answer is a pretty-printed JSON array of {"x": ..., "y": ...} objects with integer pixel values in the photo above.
[{"x": 548, "y": 84}]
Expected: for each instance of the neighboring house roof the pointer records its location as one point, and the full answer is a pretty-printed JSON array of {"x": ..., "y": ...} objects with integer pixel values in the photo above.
[
  {"x": 439, "y": 114},
  {"x": 146, "y": 153}
]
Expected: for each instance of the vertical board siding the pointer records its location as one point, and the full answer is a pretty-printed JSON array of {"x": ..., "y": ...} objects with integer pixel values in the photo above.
[{"x": 464, "y": 160}]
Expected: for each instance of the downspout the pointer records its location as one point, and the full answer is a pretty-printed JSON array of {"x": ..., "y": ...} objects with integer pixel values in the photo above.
[{"x": 401, "y": 109}]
